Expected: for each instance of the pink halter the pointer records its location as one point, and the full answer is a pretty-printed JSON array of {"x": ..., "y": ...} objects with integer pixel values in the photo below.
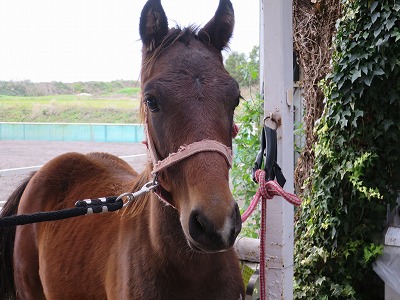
[
  {"x": 184, "y": 152},
  {"x": 188, "y": 150}
]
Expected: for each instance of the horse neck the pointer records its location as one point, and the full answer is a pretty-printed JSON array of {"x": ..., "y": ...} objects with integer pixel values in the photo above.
[
  {"x": 158, "y": 222},
  {"x": 170, "y": 248},
  {"x": 165, "y": 229},
  {"x": 157, "y": 229}
]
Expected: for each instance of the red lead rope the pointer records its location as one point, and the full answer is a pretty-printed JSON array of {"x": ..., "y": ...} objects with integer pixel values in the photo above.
[{"x": 267, "y": 190}]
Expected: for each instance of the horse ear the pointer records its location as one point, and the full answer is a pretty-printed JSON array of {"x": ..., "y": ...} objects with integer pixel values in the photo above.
[
  {"x": 153, "y": 25},
  {"x": 219, "y": 29}
]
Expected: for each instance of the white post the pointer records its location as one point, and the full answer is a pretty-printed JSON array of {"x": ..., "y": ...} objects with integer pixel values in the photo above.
[{"x": 277, "y": 68}]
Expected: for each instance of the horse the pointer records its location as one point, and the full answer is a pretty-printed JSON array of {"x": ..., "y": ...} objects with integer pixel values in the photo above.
[{"x": 172, "y": 243}]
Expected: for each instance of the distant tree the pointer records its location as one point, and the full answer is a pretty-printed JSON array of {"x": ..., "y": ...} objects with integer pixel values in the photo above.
[
  {"x": 233, "y": 63},
  {"x": 78, "y": 87},
  {"x": 16, "y": 88},
  {"x": 28, "y": 88},
  {"x": 251, "y": 70},
  {"x": 61, "y": 88},
  {"x": 245, "y": 69}
]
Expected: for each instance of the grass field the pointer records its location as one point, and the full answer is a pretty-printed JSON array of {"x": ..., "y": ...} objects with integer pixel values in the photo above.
[
  {"x": 121, "y": 106},
  {"x": 71, "y": 108}
]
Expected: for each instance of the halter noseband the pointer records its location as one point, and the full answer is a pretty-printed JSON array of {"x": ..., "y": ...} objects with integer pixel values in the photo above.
[{"x": 188, "y": 150}]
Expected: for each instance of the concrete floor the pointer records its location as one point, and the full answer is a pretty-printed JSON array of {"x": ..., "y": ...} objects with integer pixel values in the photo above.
[{"x": 19, "y": 158}]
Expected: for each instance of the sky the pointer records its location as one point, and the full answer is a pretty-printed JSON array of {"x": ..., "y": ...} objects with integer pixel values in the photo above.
[{"x": 97, "y": 40}]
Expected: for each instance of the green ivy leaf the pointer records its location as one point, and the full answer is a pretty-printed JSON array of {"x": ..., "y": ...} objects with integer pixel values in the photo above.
[
  {"x": 368, "y": 80},
  {"x": 378, "y": 30},
  {"x": 390, "y": 23},
  {"x": 387, "y": 124},
  {"x": 357, "y": 114},
  {"x": 375, "y": 16},
  {"x": 343, "y": 122},
  {"x": 373, "y": 6},
  {"x": 396, "y": 35},
  {"x": 364, "y": 69},
  {"x": 356, "y": 75},
  {"x": 378, "y": 71},
  {"x": 338, "y": 76}
]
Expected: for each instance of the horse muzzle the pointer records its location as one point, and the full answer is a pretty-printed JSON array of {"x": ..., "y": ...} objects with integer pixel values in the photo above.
[{"x": 205, "y": 236}]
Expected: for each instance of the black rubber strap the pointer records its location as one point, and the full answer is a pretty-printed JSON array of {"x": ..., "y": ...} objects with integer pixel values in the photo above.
[{"x": 268, "y": 147}]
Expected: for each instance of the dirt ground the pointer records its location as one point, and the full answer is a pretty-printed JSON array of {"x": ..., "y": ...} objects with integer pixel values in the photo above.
[{"x": 23, "y": 154}]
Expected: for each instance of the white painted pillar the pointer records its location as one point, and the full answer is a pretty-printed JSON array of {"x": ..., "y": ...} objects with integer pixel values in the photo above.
[{"x": 277, "y": 68}]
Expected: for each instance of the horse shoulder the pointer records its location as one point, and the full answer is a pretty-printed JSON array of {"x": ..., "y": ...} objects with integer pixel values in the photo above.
[
  {"x": 112, "y": 162},
  {"x": 58, "y": 185},
  {"x": 76, "y": 175}
]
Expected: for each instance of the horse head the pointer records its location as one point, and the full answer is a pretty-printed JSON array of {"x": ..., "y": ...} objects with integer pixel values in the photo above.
[{"x": 188, "y": 97}]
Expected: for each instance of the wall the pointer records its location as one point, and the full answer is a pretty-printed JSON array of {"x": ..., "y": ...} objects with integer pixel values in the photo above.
[{"x": 72, "y": 132}]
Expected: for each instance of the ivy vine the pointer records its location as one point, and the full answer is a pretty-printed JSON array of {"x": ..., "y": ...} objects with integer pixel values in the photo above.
[{"x": 356, "y": 176}]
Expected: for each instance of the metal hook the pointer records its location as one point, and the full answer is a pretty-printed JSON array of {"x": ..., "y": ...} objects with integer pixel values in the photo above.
[{"x": 131, "y": 196}]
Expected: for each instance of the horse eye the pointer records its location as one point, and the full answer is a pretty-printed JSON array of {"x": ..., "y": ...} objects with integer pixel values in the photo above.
[
  {"x": 238, "y": 100},
  {"x": 152, "y": 104}
]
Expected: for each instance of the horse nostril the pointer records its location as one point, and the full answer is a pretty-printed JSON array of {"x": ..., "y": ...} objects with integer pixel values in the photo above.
[
  {"x": 202, "y": 231},
  {"x": 205, "y": 235},
  {"x": 198, "y": 225},
  {"x": 237, "y": 221}
]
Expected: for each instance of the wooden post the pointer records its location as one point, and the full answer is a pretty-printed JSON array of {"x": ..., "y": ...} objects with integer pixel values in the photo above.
[{"x": 276, "y": 58}]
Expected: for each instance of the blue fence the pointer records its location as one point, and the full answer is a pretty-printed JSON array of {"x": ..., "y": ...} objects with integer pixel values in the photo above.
[{"x": 72, "y": 132}]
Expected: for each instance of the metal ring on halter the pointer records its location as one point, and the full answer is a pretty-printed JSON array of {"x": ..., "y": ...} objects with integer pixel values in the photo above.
[
  {"x": 130, "y": 197},
  {"x": 155, "y": 180}
]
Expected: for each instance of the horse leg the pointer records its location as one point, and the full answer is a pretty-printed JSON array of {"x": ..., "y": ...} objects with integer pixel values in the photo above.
[
  {"x": 13, "y": 242},
  {"x": 25, "y": 255},
  {"x": 26, "y": 265}
]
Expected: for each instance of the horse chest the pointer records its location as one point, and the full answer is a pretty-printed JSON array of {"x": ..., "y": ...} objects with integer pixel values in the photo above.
[{"x": 189, "y": 280}]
